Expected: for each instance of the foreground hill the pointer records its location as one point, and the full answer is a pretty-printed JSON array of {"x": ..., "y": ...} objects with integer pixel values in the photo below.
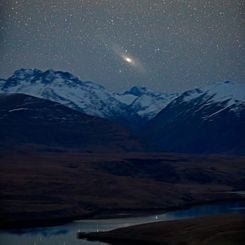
[
  {"x": 225, "y": 230},
  {"x": 26, "y": 119},
  {"x": 207, "y": 120},
  {"x": 43, "y": 186}
]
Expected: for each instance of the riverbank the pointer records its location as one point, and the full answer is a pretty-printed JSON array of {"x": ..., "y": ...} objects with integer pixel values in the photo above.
[
  {"x": 106, "y": 214},
  {"x": 223, "y": 229},
  {"x": 67, "y": 233}
]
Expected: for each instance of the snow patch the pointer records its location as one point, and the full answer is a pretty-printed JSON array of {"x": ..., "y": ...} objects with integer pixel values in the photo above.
[{"x": 18, "y": 109}]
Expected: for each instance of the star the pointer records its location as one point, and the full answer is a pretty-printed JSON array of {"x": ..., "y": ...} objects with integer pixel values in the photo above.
[
  {"x": 157, "y": 50},
  {"x": 161, "y": 43}
]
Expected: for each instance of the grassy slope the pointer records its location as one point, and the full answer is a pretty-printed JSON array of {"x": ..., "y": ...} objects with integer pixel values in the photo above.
[
  {"x": 45, "y": 186},
  {"x": 218, "y": 230}
]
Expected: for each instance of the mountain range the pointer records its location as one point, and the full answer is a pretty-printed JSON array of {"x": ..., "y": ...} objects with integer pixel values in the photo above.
[
  {"x": 209, "y": 119},
  {"x": 88, "y": 97}
]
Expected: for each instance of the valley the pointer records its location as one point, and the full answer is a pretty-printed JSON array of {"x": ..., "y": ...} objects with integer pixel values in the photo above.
[{"x": 49, "y": 186}]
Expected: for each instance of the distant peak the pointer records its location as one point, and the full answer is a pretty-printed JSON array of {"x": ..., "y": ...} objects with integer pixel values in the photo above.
[
  {"x": 231, "y": 82},
  {"x": 60, "y": 73},
  {"x": 228, "y": 82},
  {"x": 46, "y": 76},
  {"x": 223, "y": 84},
  {"x": 218, "y": 91},
  {"x": 26, "y": 72},
  {"x": 50, "y": 76},
  {"x": 33, "y": 72},
  {"x": 137, "y": 91}
]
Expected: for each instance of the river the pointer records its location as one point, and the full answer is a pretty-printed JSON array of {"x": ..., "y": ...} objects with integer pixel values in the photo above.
[{"x": 67, "y": 233}]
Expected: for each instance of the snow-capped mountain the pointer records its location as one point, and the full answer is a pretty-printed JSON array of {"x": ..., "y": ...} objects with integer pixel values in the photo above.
[
  {"x": 146, "y": 103},
  {"x": 88, "y": 97},
  {"x": 205, "y": 120},
  {"x": 232, "y": 94},
  {"x": 64, "y": 88}
]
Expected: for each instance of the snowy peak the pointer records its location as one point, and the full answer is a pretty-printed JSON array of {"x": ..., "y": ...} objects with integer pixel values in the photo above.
[
  {"x": 222, "y": 95},
  {"x": 219, "y": 100},
  {"x": 35, "y": 76},
  {"x": 135, "y": 104},
  {"x": 131, "y": 94},
  {"x": 64, "y": 88},
  {"x": 25, "y": 74},
  {"x": 136, "y": 91},
  {"x": 219, "y": 92},
  {"x": 227, "y": 91},
  {"x": 205, "y": 120},
  {"x": 139, "y": 91},
  {"x": 146, "y": 103},
  {"x": 45, "y": 77}
]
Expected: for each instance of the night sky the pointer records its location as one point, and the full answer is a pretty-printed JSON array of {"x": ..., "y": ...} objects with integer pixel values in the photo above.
[{"x": 162, "y": 44}]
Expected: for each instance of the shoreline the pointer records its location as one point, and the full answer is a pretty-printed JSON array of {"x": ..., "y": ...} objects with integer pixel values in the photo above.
[
  {"x": 211, "y": 229},
  {"x": 109, "y": 214},
  {"x": 61, "y": 188}
]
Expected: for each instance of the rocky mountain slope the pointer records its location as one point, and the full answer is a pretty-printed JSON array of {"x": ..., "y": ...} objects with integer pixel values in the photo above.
[
  {"x": 206, "y": 120},
  {"x": 26, "y": 119}
]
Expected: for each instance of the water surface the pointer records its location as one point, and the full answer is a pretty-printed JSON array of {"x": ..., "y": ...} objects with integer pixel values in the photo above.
[{"x": 66, "y": 234}]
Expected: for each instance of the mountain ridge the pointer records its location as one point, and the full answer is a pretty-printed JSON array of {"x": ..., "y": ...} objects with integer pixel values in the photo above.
[
  {"x": 204, "y": 120},
  {"x": 86, "y": 96},
  {"x": 25, "y": 119}
]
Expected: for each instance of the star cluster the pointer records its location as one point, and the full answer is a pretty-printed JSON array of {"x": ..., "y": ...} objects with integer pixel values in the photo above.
[{"x": 163, "y": 44}]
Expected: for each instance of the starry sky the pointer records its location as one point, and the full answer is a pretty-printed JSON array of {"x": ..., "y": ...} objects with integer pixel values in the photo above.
[{"x": 166, "y": 45}]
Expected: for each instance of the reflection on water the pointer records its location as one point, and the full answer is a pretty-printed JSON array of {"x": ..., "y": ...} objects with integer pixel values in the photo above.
[{"x": 66, "y": 234}]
